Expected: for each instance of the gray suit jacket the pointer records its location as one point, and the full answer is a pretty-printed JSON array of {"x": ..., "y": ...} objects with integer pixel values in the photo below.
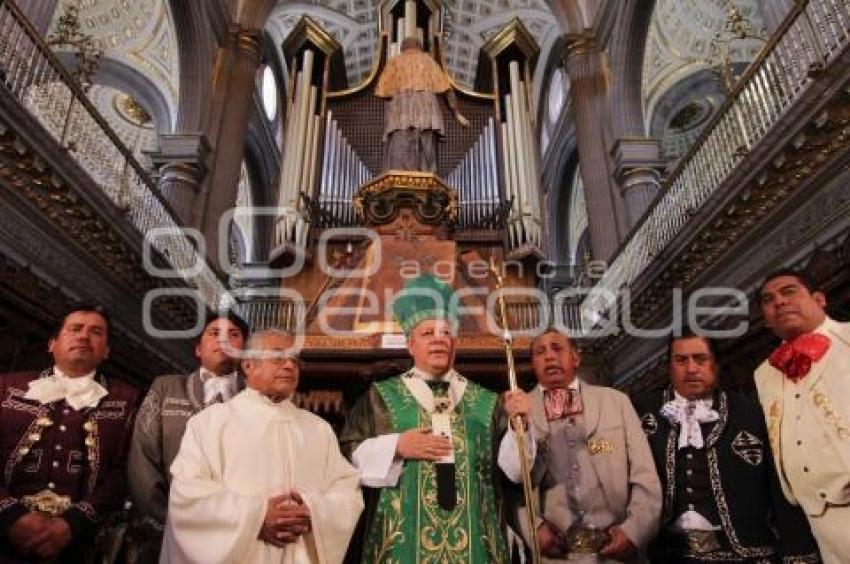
[
  {"x": 160, "y": 425},
  {"x": 624, "y": 467}
]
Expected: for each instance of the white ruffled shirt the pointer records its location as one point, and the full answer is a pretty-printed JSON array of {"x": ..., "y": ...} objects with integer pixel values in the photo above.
[
  {"x": 689, "y": 414},
  {"x": 80, "y": 392},
  {"x": 215, "y": 385}
]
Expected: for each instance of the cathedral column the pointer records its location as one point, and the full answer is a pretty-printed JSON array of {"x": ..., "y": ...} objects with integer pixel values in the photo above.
[
  {"x": 637, "y": 166},
  {"x": 233, "y": 84},
  {"x": 605, "y": 207},
  {"x": 181, "y": 161},
  {"x": 636, "y": 157}
]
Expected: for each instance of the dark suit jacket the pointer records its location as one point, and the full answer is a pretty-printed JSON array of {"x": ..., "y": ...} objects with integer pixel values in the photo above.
[{"x": 747, "y": 492}]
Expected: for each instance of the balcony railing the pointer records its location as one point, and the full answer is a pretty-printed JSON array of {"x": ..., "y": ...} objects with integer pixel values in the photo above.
[
  {"x": 33, "y": 75},
  {"x": 523, "y": 314},
  {"x": 808, "y": 41}
]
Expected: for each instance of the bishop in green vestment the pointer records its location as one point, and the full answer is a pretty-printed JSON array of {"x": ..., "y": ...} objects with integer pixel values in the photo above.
[{"x": 432, "y": 447}]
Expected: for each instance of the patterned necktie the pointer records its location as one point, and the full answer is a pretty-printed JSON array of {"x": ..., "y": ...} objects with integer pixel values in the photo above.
[
  {"x": 560, "y": 403},
  {"x": 794, "y": 358}
]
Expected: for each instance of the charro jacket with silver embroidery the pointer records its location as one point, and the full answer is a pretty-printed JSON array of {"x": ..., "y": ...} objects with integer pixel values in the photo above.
[
  {"x": 744, "y": 484},
  {"x": 168, "y": 405},
  {"x": 55, "y": 457}
]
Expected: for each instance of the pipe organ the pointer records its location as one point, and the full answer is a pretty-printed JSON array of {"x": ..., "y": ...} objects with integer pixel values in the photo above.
[
  {"x": 521, "y": 160},
  {"x": 333, "y": 138},
  {"x": 297, "y": 167},
  {"x": 342, "y": 173},
  {"x": 476, "y": 180},
  {"x": 481, "y": 204}
]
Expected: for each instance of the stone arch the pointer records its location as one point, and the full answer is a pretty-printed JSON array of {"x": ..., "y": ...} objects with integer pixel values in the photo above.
[
  {"x": 196, "y": 44},
  {"x": 628, "y": 45},
  {"x": 561, "y": 162},
  {"x": 118, "y": 75},
  {"x": 553, "y": 60},
  {"x": 262, "y": 163},
  {"x": 573, "y": 16}
]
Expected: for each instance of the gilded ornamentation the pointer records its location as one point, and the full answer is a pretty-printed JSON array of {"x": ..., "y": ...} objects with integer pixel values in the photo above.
[
  {"x": 774, "y": 418},
  {"x": 380, "y": 201},
  {"x": 749, "y": 448},
  {"x": 725, "y": 516},
  {"x": 30, "y": 437},
  {"x": 832, "y": 417},
  {"x": 598, "y": 446},
  {"x": 129, "y": 109},
  {"x": 410, "y": 525},
  {"x": 649, "y": 423},
  {"x": 47, "y": 502}
]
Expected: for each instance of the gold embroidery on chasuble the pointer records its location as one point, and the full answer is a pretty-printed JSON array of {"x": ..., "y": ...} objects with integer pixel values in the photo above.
[{"x": 409, "y": 525}]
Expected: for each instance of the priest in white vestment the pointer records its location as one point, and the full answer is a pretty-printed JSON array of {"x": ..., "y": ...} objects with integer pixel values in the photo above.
[{"x": 258, "y": 480}]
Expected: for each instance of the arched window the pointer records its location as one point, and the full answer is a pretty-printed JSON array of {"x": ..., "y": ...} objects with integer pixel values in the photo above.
[
  {"x": 577, "y": 221},
  {"x": 557, "y": 95},
  {"x": 269, "y": 92},
  {"x": 243, "y": 219}
]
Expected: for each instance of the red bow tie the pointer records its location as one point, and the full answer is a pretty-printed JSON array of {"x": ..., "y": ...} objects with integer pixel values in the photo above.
[
  {"x": 560, "y": 403},
  {"x": 794, "y": 358}
]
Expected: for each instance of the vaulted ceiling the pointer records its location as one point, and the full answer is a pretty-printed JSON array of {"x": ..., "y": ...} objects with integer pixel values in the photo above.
[
  {"x": 468, "y": 24},
  {"x": 138, "y": 34},
  {"x": 683, "y": 40}
]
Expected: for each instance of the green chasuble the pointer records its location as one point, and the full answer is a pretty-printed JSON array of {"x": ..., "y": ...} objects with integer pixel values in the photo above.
[{"x": 408, "y": 525}]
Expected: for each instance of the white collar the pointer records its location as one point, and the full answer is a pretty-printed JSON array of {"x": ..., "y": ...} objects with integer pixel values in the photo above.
[
  {"x": 80, "y": 392},
  {"x": 431, "y": 377},
  {"x": 223, "y": 386},
  {"x": 574, "y": 386},
  {"x": 209, "y": 374},
  {"x": 90, "y": 376},
  {"x": 284, "y": 409},
  {"x": 707, "y": 402},
  {"x": 416, "y": 382},
  {"x": 688, "y": 414}
]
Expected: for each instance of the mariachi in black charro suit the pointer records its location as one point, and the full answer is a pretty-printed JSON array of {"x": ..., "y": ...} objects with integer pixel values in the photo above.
[
  {"x": 731, "y": 481},
  {"x": 63, "y": 461}
]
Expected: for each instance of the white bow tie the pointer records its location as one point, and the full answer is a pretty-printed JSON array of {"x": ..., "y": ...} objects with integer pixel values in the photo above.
[
  {"x": 79, "y": 392},
  {"x": 689, "y": 414},
  {"x": 218, "y": 386}
]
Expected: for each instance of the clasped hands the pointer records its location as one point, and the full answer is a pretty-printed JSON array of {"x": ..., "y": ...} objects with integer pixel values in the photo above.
[
  {"x": 40, "y": 535},
  {"x": 287, "y": 518}
]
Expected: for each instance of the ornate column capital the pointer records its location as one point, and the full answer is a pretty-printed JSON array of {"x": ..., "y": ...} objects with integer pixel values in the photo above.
[
  {"x": 248, "y": 42},
  {"x": 634, "y": 154},
  {"x": 579, "y": 45},
  {"x": 183, "y": 149},
  {"x": 182, "y": 164}
]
